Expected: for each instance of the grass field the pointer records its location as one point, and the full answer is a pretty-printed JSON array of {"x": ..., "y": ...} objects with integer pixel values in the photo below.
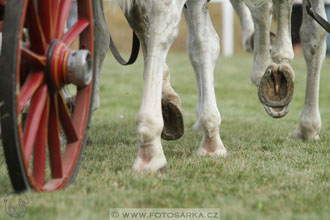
[{"x": 267, "y": 175}]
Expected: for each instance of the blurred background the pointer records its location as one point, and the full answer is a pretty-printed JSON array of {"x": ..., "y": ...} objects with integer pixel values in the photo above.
[{"x": 122, "y": 33}]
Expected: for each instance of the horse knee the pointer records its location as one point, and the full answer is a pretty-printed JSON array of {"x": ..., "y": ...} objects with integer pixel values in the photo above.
[
  {"x": 313, "y": 39},
  {"x": 149, "y": 126}
]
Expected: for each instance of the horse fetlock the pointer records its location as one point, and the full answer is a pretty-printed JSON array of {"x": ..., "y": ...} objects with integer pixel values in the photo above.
[
  {"x": 256, "y": 76},
  {"x": 150, "y": 158},
  {"x": 209, "y": 122},
  {"x": 149, "y": 128},
  {"x": 260, "y": 64},
  {"x": 282, "y": 54},
  {"x": 308, "y": 128},
  {"x": 171, "y": 96},
  {"x": 211, "y": 146}
]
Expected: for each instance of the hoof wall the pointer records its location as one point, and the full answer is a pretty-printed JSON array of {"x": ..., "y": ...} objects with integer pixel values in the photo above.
[
  {"x": 276, "y": 86},
  {"x": 173, "y": 121}
]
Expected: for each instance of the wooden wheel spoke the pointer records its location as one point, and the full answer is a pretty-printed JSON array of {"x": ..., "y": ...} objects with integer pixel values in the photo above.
[
  {"x": 33, "y": 58},
  {"x": 62, "y": 16},
  {"x": 54, "y": 143},
  {"x": 66, "y": 121},
  {"x": 39, "y": 126},
  {"x": 33, "y": 120},
  {"x": 31, "y": 84},
  {"x": 36, "y": 33},
  {"x": 47, "y": 11},
  {"x": 39, "y": 158},
  {"x": 2, "y": 11},
  {"x": 75, "y": 31}
]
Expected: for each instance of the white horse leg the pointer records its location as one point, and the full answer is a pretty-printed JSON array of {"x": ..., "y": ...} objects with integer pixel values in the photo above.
[
  {"x": 73, "y": 15},
  {"x": 313, "y": 41},
  {"x": 282, "y": 51},
  {"x": 137, "y": 19},
  {"x": 171, "y": 104},
  {"x": 167, "y": 91},
  {"x": 276, "y": 85},
  {"x": 163, "y": 23},
  {"x": 261, "y": 15},
  {"x": 101, "y": 48},
  {"x": 204, "y": 48},
  {"x": 246, "y": 22},
  {"x": 171, "y": 109}
]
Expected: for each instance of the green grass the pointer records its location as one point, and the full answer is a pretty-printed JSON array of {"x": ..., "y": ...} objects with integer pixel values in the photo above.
[{"x": 267, "y": 175}]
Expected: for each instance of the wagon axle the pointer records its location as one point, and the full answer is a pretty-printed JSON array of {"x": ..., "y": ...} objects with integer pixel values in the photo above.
[{"x": 67, "y": 66}]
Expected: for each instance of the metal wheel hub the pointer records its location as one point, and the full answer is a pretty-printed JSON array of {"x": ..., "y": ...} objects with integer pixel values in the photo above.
[{"x": 67, "y": 66}]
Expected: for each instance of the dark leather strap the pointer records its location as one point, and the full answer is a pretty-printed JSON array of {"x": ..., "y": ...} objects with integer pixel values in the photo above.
[
  {"x": 317, "y": 17},
  {"x": 134, "y": 52}
]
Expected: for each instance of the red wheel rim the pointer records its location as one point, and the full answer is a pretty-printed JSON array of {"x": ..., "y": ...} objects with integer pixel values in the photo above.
[
  {"x": 2, "y": 9},
  {"x": 48, "y": 114}
]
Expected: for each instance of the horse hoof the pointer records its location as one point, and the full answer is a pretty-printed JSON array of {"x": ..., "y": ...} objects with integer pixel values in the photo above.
[
  {"x": 173, "y": 120},
  {"x": 276, "y": 86},
  {"x": 277, "y": 112}
]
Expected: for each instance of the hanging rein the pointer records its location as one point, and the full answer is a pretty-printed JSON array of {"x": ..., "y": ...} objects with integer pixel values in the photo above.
[
  {"x": 134, "y": 52},
  {"x": 317, "y": 17}
]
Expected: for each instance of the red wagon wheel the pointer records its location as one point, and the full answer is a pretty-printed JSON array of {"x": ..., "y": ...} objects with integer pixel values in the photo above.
[{"x": 43, "y": 132}]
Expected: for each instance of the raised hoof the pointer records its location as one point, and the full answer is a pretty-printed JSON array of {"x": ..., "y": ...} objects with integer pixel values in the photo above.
[
  {"x": 277, "y": 112},
  {"x": 173, "y": 120},
  {"x": 276, "y": 86}
]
